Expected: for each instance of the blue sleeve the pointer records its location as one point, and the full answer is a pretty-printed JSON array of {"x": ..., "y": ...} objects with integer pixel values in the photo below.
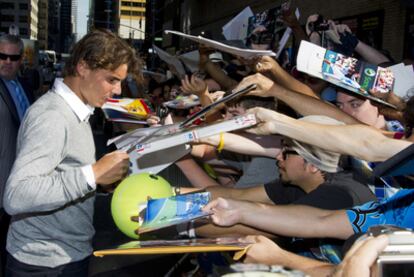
[
  {"x": 364, "y": 216},
  {"x": 397, "y": 210}
]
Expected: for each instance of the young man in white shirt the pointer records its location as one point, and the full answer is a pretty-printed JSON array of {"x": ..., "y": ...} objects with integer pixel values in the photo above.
[{"x": 51, "y": 189}]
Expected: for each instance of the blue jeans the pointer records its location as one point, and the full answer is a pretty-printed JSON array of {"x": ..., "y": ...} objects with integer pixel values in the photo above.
[{"x": 14, "y": 268}]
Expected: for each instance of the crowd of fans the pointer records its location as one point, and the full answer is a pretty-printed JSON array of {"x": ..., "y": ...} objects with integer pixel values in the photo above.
[
  {"x": 298, "y": 184},
  {"x": 324, "y": 141}
]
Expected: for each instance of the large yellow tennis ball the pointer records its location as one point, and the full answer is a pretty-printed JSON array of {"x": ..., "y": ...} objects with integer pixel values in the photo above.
[{"x": 130, "y": 194}]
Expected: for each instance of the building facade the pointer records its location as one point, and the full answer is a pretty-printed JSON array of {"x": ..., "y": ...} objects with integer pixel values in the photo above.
[
  {"x": 53, "y": 40},
  {"x": 43, "y": 26},
  {"x": 74, "y": 18},
  {"x": 22, "y": 14},
  {"x": 65, "y": 36},
  {"x": 132, "y": 19},
  {"x": 105, "y": 14}
]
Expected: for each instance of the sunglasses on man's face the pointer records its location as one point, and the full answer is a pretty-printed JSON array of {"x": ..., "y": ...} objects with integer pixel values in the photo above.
[{"x": 13, "y": 58}]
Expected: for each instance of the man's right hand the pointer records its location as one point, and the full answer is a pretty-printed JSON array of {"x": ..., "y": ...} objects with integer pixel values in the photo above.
[
  {"x": 194, "y": 85},
  {"x": 225, "y": 212},
  {"x": 263, "y": 251},
  {"x": 111, "y": 168},
  {"x": 263, "y": 85},
  {"x": 266, "y": 64},
  {"x": 267, "y": 121}
]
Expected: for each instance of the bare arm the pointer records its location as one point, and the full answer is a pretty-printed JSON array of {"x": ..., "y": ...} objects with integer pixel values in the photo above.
[
  {"x": 289, "y": 17},
  {"x": 268, "y": 146},
  {"x": 286, "y": 220},
  {"x": 238, "y": 230},
  {"x": 301, "y": 103},
  {"x": 265, "y": 251},
  {"x": 360, "y": 141},
  {"x": 200, "y": 179},
  {"x": 214, "y": 70},
  {"x": 254, "y": 194},
  {"x": 195, "y": 174},
  {"x": 219, "y": 76},
  {"x": 271, "y": 67},
  {"x": 370, "y": 54}
]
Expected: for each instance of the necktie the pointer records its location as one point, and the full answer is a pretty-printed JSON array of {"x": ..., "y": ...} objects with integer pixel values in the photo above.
[{"x": 22, "y": 102}]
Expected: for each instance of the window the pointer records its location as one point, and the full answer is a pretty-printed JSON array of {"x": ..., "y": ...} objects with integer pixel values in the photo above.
[
  {"x": 7, "y": 6},
  {"x": 126, "y": 3},
  {"x": 134, "y": 13},
  {"x": 125, "y": 12},
  {"x": 23, "y": 6},
  {"x": 7, "y": 17},
  {"x": 23, "y": 31},
  {"x": 23, "y": 19}
]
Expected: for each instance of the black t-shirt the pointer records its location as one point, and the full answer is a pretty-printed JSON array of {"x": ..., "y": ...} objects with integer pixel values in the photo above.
[{"x": 339, "y": 191}]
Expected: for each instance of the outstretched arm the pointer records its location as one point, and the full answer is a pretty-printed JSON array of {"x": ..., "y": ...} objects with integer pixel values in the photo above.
[
  {"x": 214, "y": 70},
  {"x": 265, "y": 251},
  {"x": 267, "y": 146},
  {"x": 195, "y": 174},
  {"x": 301, "y": 103},
  {"x": 360, "y": 141},
  {"x": 286, "y": 220},
  {"x": 267, "y": 65},
  {"x": 370, "y": 54},
  {"x": 289, "y": 17}
]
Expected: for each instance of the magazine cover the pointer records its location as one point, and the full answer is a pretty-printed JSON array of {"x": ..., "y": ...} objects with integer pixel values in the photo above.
[
  {"x": 175, "y": 246},
  {"x": 346, "y": 72},
  {"x": 164, "y": 212},
  {"x": 356, "y": 74},
  {"x": 127, "y": 110}
]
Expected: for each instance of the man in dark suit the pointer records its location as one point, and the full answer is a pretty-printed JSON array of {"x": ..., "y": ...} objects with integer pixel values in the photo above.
[{"x": 14, "y": 101}]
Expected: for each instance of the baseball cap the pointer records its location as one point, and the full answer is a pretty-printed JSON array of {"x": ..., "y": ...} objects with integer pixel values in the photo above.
[{"x": 324, "y": 160}]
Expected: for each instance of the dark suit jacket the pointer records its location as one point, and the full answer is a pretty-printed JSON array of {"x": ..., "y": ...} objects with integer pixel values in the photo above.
[{"x": 9, "y": 127}]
